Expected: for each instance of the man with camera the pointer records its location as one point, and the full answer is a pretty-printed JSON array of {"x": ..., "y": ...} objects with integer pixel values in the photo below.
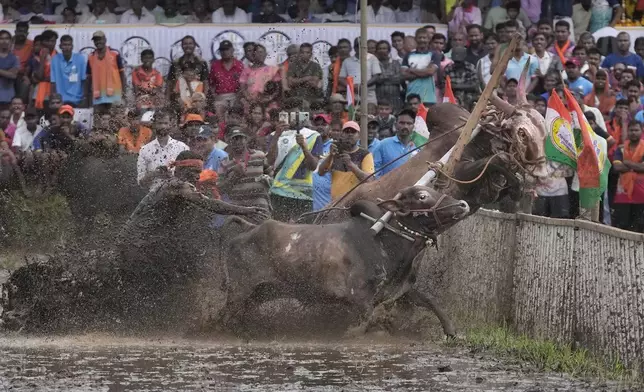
[{"x": 347, "y": 162}]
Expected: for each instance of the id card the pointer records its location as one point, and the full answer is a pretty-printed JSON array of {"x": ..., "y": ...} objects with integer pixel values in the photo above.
[{"x": 73, "y": 78}]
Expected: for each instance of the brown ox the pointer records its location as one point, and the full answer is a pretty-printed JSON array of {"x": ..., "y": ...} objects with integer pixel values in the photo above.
[{"x": 338, "y": 263}]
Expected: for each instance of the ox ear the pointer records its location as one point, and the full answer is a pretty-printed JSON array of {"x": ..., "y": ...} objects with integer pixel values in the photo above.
[{"x": 393, "y": 206}]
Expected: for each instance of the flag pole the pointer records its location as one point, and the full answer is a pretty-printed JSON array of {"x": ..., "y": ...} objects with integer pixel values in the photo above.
[{"x": 364, "y": 105}]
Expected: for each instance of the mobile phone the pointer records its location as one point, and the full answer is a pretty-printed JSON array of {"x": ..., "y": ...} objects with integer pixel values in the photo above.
[
  {"x": 293, "y": 116},
  {"x": 284, "y": 117},
  {"x": 304, "y": 117}
]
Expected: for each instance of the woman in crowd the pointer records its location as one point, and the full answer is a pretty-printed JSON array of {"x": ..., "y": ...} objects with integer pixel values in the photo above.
[{"x": 258, "y": 128}]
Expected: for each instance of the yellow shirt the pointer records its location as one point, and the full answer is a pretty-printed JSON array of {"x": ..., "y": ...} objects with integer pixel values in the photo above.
[{"x": 342, "y": 178}]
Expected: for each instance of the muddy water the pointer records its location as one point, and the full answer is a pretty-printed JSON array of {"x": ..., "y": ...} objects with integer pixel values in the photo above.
[{"x": 117, "y": 364}]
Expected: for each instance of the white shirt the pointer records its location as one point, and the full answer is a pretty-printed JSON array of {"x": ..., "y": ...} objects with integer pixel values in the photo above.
[
  {"x": 599, "y": 117},
  {"x": 411, "y": 16},
  {"x": 335, "y": 17},
  {"x": 81, "y": 9},
  {"x": 385, "y": 15},
  {"x": 240, "y": 16},
  {"x": 23, "y": 139},
  {"x": 105, "y": 18},
  {"x": 152, "y": 155},
  {"x": 483, "y": 69},
  {"x": 129, "y": 17},
  {"x": 544, "y": 62},
  {"x": 20, "y": 122}
]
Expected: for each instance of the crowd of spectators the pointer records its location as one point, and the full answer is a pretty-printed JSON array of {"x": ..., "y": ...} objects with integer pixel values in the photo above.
[{"x": 283, "y": 135}]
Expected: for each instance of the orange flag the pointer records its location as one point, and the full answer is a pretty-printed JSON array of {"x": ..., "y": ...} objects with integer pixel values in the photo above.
[
  {"x": 449, "y": 94},
  {"x": 587, "y": 161}
]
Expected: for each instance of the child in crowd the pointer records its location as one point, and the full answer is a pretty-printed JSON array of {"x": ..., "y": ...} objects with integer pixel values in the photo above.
[
  {"x": 385, "y": 119},
  {"x": 187, "y": 84},
  {"x": 147, "y": 82}
]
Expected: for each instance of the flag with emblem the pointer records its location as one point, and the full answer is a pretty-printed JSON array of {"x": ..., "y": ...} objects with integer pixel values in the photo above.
[
  {"x": 449, "y": 94},
  {"x": 421, "y": 133},
  {"x": 351, "y": 99},
  {"x": 592, "y": 157},
  {"x": 560, "y": 143}
]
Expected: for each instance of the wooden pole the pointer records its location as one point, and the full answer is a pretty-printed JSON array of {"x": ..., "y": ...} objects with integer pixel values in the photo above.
[
  {"x": 462, "y": 140},
  {"x": 364, "y": 104},
  {"x": 475, "y": 117}
]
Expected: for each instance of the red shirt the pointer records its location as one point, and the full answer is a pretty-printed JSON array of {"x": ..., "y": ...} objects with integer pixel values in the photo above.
[{"x": 225, "y": 81}]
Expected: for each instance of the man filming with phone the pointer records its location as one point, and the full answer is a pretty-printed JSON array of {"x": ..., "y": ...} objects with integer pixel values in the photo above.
[{"x": 347, "y": 162}]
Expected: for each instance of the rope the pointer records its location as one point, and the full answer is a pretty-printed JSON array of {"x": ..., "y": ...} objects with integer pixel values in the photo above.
[{"x": 436, "y": 166}]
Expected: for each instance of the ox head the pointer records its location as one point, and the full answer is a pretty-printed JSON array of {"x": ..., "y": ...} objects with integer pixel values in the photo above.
[
  {"x": 530, "y": 127},
  {"x": 426, "y": 210}
]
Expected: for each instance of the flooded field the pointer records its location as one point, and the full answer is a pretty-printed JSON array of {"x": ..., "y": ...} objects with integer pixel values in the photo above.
[{"x": 116, "y": 364}]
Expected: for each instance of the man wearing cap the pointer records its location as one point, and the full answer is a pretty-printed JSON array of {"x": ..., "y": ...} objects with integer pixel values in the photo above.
[
  {"x": 132, "y": 138},
  {"x": 155, "y": 156},
  {"x": 203, "y": 143},
  {"x": 105, "y": 72},
  {"x": 347, "y": 162},
  {"x": 394, "y": 147},
  {"x": 244, "y": 172},
  {"x": 68, "y": 73},
  {"x": 224, "y": 78},
  {"x": 575, "y": 81},
  {"x": 463, "y": 78},
  {"x": 192, "y": 124},
  {"x": 337, "y": 108}
]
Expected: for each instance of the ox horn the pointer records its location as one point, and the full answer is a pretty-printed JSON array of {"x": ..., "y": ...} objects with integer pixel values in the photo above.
[
  {"x": 521, "y": 88},
  {"x": 502, "y": 105}
]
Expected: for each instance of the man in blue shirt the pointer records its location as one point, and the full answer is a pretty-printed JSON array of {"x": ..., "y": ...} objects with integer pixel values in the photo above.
[
  {"x": 624, "y": 56},
  {"x": 393, "y": 147},
  {"x": 69, "y": 73},
  {"x": 203, "y": 143},
  {"x": 576, "y": 82},
  {"x": 322, "y": 184}
]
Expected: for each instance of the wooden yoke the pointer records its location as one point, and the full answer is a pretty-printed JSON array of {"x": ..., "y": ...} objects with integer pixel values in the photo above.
[{"x": 481, "y": 104}]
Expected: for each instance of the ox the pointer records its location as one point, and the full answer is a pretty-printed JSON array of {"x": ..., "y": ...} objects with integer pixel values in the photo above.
[{"x": 338, "y": 263}]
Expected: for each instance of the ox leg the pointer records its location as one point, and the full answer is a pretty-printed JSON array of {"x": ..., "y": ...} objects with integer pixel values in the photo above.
[{"x": 424, "y": 301}]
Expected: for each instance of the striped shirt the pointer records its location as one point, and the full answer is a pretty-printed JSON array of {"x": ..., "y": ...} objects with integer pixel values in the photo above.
[{"x": 243, "y": 183}]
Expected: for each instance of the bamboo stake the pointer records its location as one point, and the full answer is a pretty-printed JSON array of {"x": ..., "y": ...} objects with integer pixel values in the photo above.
[
  {"x": 475, "y": 117},
  {"x": 466, "y": 135}
]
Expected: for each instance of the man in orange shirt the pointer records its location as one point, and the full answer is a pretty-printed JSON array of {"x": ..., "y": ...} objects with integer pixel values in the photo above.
[
  {"x": 23, "y": 49},
  {"x": 131, "y": 139}
]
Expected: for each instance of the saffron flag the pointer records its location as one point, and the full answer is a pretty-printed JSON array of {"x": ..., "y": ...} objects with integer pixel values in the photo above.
[
  {"x": 592, "y": 157},
  {"x": 421, "y": 133},
  {"x": 351, "y": 99},
  {"x": 449, "y": 94}
]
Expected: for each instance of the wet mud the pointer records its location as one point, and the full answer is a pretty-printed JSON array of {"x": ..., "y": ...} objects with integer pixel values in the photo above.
[{"x": 119, "y": 364}]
